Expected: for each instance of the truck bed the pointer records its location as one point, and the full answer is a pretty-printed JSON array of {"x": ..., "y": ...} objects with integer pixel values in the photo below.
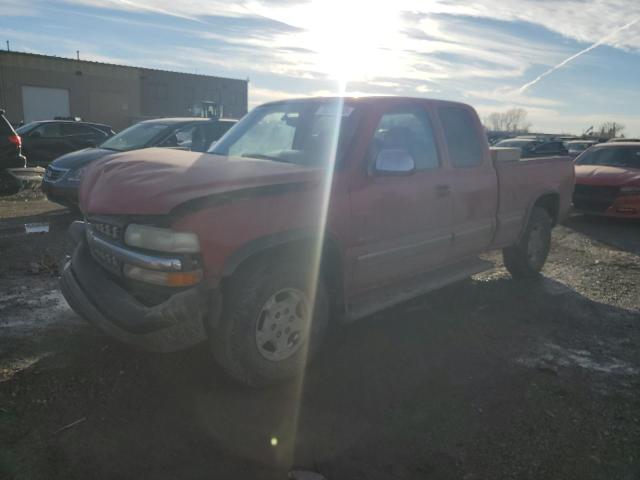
[{"x": 521, "y": 180}]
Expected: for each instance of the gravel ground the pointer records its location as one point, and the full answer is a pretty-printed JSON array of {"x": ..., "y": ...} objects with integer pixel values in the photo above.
[{"x": 486, "y": 379}]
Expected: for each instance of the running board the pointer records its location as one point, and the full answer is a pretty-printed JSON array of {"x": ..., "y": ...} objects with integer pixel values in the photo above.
[{"x": 388, "y": 296}]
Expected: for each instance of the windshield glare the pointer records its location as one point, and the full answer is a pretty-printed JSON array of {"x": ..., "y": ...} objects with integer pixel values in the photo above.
[
  {"x": 294, "y": 132},
  {"x": 134, "y": 137},
  {"x": 612, "y": 157}
]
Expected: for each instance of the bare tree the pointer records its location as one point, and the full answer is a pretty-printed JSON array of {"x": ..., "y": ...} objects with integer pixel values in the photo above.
[
  {"x": 513, "y": 120},
  {"x": 611, "y": 129},
  {"x": 494, "y": 122}
]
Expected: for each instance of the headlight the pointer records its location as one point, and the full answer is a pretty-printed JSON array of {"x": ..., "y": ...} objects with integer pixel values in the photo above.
[
  {"x": 630, "y": 190},
  {"x": 161, "y": 239},
  {"x": 76, "y": 175},
  {"x": 167, "y": 279}
]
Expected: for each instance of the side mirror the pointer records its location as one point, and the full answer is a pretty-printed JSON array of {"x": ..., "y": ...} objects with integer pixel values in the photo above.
[
  {"x": 394, "y": 161},
  {"x": 35, "y": 134}
]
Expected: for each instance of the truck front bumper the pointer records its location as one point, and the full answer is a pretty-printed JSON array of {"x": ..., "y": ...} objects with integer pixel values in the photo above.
[{"x": 176, "y": 324}]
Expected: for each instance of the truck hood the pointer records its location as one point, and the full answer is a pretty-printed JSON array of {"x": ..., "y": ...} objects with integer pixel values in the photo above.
[
  {"x": 153, "y": 181},
  {"x": 606, "y": 175}
]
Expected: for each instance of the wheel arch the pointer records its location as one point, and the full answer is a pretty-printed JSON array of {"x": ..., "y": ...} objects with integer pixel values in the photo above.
[
  {"x": 295, "y": 243},
  {"x": 549, "y": 200}
]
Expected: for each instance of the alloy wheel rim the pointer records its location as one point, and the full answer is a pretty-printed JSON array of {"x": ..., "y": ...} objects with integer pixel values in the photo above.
[
  {"x": 536, "y": 245},
  {"x": 282, "y": 324}
]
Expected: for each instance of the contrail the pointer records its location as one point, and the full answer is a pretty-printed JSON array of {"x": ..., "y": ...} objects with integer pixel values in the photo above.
[
  {"x": 573, "y": 57},
  {"x": 156, "y": 10}
]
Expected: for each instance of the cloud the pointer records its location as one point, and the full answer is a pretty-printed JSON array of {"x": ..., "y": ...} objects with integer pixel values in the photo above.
[{"x": 480, "y": 51}]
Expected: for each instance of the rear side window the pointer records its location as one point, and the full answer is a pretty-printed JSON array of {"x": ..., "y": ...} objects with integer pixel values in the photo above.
[
  {"x": 215, "y": 130},
  {"x": 48, "y": 130},
  {"x": 68, "y": 129},
  {"x": 463, "y": 143}
]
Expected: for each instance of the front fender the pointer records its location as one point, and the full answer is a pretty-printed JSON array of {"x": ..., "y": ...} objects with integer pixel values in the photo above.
[{"x": 305, "y": 235}]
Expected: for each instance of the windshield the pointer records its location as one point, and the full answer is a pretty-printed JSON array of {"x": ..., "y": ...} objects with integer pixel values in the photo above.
[
  {"x": 137, "y": 136},
  {"x": 627, "y": 157},
  {"x": 300, "y": 132}
]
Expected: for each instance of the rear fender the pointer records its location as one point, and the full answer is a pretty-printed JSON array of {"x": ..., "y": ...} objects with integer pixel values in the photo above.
[{"x": 537, "y": 198}]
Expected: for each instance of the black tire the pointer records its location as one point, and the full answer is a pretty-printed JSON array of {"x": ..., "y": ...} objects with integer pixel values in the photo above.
[
  {"x": 526, "y": 258},
  {"x": 233, "y": 340}
]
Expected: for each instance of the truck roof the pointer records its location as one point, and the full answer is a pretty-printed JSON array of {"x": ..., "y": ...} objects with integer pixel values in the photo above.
[
  {"x": 174, "y": 120},
  {"x": 368, "y": 99}
]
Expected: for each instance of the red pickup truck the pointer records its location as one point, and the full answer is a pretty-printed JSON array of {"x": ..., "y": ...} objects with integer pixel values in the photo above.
[{"x": 306, "y": 212}]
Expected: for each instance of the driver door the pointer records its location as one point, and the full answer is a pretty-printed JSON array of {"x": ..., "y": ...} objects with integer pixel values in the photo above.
[{"x": 402, "y": 220}]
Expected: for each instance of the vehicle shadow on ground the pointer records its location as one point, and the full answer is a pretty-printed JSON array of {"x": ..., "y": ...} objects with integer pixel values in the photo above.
[
  {"x": 442, "y": 386},
  {"x": 621, "y": 234}
]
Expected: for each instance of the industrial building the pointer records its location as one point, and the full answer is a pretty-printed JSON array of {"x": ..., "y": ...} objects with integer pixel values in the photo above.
[{"x": 39, "y": 87}]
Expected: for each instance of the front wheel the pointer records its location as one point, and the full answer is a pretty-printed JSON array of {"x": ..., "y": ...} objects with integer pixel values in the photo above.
[
  {"x": 526, "y": 258},
  {"x": 270, "y": 327}
]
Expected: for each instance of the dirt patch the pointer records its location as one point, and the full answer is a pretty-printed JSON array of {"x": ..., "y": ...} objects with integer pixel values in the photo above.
[{"x": 488, "y": 378}]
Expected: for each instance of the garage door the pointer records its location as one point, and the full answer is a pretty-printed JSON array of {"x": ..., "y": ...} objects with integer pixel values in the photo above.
[{"x": 43, "y": 103}]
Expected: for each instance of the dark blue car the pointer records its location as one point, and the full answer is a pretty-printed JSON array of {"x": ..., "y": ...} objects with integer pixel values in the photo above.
[{"x": 62, "y": 178}]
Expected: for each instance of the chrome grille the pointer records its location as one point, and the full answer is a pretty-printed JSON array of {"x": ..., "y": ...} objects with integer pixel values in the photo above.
[
  {"x": 109, "y": 230},
  {"x": 54, "y": 174},
  {"x": 106, "y": 259}
]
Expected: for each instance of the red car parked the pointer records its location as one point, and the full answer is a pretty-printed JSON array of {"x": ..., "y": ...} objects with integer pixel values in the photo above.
[
  {"x": 608, "y": 180},
  {"x": 306, "y": 211}
]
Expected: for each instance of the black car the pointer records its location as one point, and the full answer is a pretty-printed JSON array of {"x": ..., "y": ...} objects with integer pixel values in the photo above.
[
  {"x": 62, "y": 178},
  {"x": 530, "y": 147},
  {"x": 46, "y": 140},
  {"x": 10, "y": 153}
]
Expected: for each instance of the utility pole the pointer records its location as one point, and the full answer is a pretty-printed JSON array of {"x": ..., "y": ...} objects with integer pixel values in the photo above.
[
  {"x": 8, "y": 49},
  {"x": 78, "y": 54}
]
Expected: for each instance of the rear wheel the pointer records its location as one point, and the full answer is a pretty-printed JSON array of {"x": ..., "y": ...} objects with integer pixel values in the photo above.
[
  {"x": 270, "y": 327},
  {"x": 526, "y": 258}
]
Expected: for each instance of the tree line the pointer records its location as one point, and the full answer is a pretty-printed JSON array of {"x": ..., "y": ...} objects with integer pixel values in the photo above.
[{"x": 515, "y": 121}]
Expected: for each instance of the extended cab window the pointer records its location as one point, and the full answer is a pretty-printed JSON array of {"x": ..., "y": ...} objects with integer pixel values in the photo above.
[
  {"x": 410, "y": 130},
  {"x": 461, "y": 134}
]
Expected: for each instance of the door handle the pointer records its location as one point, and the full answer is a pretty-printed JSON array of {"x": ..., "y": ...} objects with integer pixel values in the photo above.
[{"x": 443, "y": 190}]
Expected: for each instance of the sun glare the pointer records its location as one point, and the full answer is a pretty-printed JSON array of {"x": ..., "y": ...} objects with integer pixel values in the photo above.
[
  {"x": 347, "y": 41},
  {"x": 353, "y": 40}
]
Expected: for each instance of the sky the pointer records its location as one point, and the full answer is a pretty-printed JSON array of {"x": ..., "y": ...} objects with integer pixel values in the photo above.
[{"x": 571, "y": 64}]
